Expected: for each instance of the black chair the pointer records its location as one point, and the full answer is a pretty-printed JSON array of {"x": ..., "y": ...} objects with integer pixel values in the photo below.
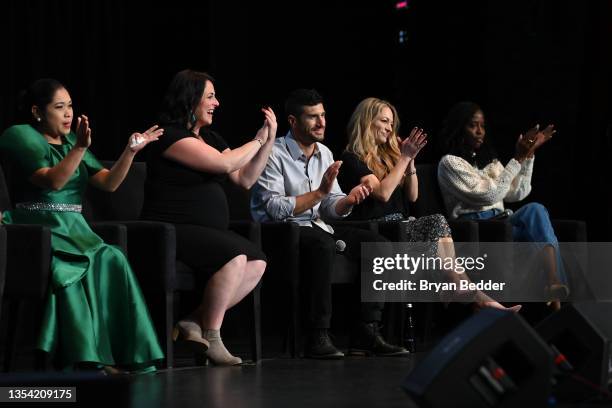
[
  {"x": 28, "y": 264},
  {"x": 152, "y": 254}
]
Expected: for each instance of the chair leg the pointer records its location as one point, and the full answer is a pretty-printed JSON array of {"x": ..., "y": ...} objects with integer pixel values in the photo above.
[
  {"x": 429, "y": 311},
  {"x": 292, "y": 335},
  {"x": 295, "y": 324},
  {"x": 256, "y": 326},
  {"x": 169, "y": 320},
  {"x": 40, "y": 360},
  {"x": 394, "y": 313},
  {"x": 13, "y": 315}
]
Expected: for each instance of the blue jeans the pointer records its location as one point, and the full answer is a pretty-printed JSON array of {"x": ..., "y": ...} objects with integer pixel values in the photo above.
[{"x": 530, "y": 223}]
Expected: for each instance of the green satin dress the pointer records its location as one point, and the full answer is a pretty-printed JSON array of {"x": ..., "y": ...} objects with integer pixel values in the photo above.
[{"x": 95, "y": 311}]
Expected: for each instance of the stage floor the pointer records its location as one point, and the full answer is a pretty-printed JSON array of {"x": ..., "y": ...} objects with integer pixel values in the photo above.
[
  {"x": 295, "y": 383},
  {"x": 280, "y": 382}
]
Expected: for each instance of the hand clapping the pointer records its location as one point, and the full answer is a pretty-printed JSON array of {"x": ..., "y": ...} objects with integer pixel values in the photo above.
[
  {"x": 533, "y": 139},
  {"x": 412, "y": 145},
  {"x": 358, "y": 194},
  {"x": 270, "y": 122},
  {"x": 83, "y": 132},
  {"x": 139, "y": 140},
  {"x": 543, "y": 136},
  {"x": 327, "y": 182}
]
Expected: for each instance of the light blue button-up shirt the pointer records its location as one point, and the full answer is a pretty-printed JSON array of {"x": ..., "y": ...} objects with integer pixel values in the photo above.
[{"x": 289, "y": 174}]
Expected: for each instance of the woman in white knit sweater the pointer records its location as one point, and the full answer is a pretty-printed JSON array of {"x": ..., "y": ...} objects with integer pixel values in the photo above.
[{"x": 475, "y": 184}]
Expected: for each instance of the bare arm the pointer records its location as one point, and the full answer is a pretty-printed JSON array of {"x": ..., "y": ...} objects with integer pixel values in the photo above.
[
  {"x": 110, "y": 180},
  {"x": 306, "y": 201},
  {"x": 56, "y": 177},
  {"x": 383, "y": 189},
  {"x": 411, "y": 183},
  {"x": 198, "y": 155},
  {"x": 410, "y": 147},
  {"x": 248, "y": 175}
]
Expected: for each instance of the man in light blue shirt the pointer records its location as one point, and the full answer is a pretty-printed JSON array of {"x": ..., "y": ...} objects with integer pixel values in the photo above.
[{"x": 299, "y": 185}]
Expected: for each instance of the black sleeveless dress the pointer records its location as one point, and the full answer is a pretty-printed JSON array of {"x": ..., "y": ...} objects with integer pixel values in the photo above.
[{"x": 195, "y": 202}]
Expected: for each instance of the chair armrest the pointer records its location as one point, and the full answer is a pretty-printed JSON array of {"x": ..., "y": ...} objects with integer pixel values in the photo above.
[
  {"x": 494, "y": 231},
  {"x": 392, "y": 230},
  {"x": 111, "y": 233},
  {"x": 365, "y": 224},
  {"x": 29, "y": 261},
  {"x": 152, "y": 254},
  {"x": 464, "y": 230},
  {"x": 570, "y": 230}
]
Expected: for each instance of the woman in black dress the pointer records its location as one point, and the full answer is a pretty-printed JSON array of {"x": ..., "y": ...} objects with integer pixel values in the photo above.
[
  {"x": 375, "y": 156},
  {"x": 183, "y": 187}
]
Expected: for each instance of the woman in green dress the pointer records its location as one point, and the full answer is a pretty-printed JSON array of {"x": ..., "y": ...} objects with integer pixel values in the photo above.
[{"x": 95, "y": 314}]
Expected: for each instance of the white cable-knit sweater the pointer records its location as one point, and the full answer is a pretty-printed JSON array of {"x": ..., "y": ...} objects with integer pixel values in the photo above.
[{"x": 467, "y": 189}]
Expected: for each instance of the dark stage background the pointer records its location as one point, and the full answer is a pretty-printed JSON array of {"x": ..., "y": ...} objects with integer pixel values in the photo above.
[{"x": 524, "y": 62}]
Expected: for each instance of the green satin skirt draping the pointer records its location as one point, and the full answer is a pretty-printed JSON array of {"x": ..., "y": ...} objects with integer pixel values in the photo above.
[{"x": 95, "y": 311}]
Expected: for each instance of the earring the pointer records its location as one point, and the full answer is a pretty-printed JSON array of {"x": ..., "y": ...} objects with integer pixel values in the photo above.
[
  {"x": 192, "y": 118},
  {"x": 38, "y": 119}
]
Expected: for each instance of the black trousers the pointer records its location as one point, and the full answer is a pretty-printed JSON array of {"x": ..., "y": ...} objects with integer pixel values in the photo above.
[{"x": 317, "y": 252}]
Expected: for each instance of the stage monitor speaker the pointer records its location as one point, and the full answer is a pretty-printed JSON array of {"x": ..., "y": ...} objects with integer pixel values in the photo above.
[
  {"x": 582, "y": 332},
  {"x": 493, "y": 359}
]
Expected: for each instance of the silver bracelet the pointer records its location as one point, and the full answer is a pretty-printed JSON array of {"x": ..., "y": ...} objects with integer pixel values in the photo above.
[{"x": 410, "y": 173}]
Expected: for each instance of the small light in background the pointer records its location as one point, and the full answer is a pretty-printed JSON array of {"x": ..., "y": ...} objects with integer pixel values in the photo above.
[
  {"x": 403, "y": 36},
  {"x": 400, "y": 5}
]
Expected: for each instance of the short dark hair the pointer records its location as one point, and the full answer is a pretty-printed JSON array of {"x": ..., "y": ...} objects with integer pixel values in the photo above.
[
  {"x": 183, "y": 96},
  {"x": 38, "y": 93},
  {"x": 294, "y": 105}
]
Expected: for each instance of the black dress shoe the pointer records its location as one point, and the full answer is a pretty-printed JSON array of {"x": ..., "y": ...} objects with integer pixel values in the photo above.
[
  {"x": 367, "y": 340},
  {"x": 320, "y": 346}
]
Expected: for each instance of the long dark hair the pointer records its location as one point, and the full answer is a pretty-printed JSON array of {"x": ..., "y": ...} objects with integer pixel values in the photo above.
[
  {"x": 182, "y": 97},
  {"x": 39, "y": 93},
  {"x": 452, "y": 135}
]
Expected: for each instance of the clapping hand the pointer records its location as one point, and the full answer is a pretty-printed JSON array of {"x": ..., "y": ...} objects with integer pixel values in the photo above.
[
  {"x": 543, "y": 136},
  {"x": 83, "y": 132},
  {"x": 358, "y": 194},
  {"x": 412, "y": 145},
  {"x": 533, "y": 139},
  {"x": 139, "y": 140},
  {"x": 329, "y": 177},
  {"x": 270, "y": 122}
]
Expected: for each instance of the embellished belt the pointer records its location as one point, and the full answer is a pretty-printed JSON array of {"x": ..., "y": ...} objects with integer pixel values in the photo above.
[{"x": 50, "y": 207}]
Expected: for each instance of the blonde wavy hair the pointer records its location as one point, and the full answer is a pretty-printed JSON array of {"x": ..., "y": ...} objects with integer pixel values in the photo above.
[{"x": 379, "y": 158}]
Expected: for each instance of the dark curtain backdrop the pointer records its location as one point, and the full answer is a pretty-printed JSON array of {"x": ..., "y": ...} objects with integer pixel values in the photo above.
[{"x": 524, "y": 62}]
